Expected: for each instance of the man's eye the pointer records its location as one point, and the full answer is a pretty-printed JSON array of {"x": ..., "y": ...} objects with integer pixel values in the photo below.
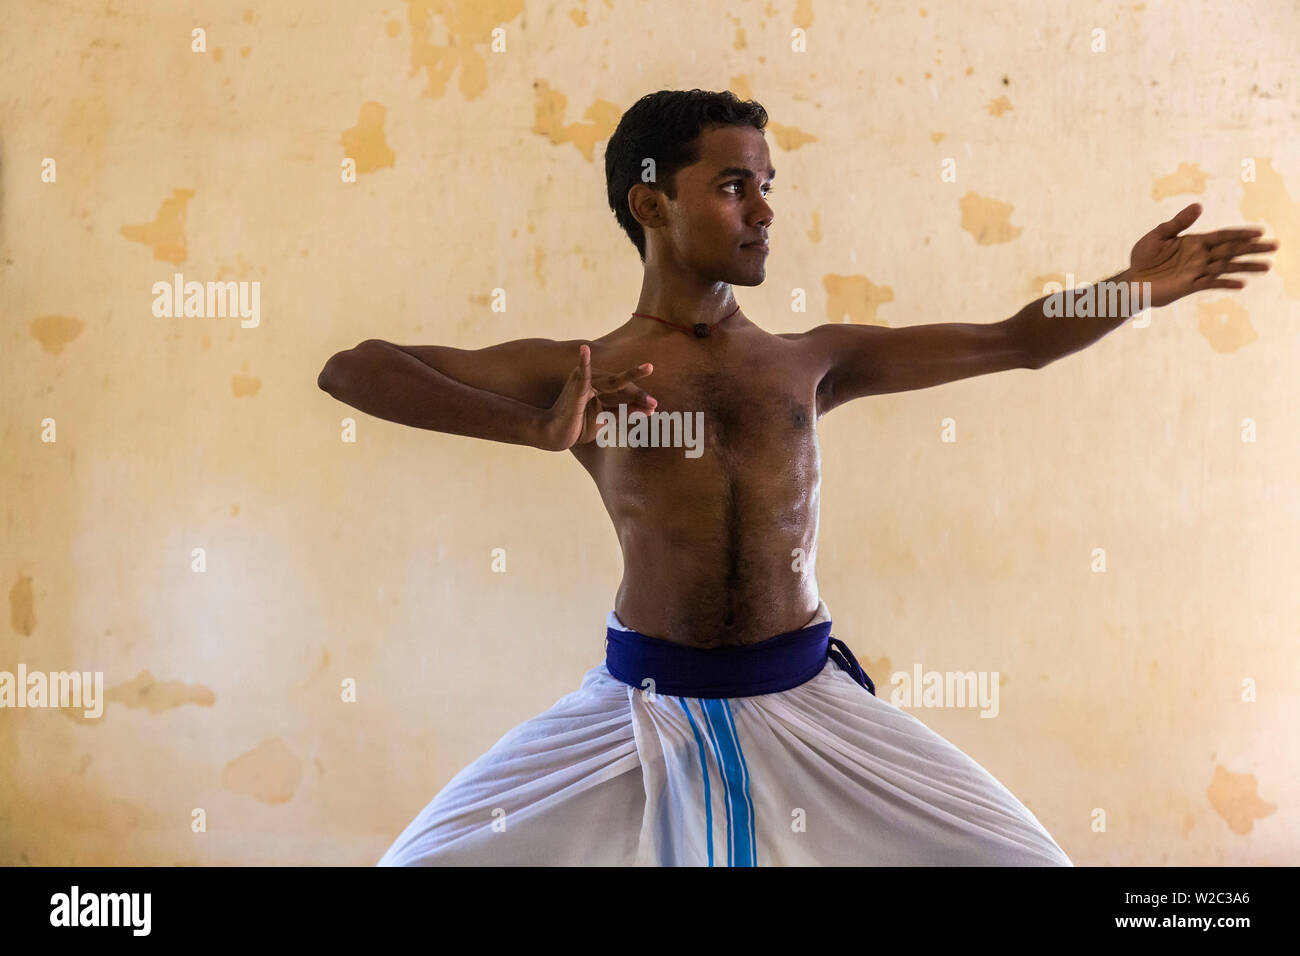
[{"x": 770, "y": 189}]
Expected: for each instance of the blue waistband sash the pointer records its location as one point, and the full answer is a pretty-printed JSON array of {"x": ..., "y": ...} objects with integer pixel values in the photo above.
[{"x": 767, "y": 667}]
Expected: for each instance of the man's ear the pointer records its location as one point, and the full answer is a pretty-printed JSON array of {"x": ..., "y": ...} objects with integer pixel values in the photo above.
[{"x": 646, "y": 205}]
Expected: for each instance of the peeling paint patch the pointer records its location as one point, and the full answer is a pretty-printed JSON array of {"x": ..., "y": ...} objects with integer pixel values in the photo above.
[
  {"x": 22, "y": 606},
  {"x": 365, "y": 141},
  {"x": 244, "y": 386},
  {"x": 1267, "y": 200},
  {"x": 144, "y": 691},
  {"x": 740, "y": 42},
  {"x": 166, "y": 234},
  {"x": 1225, "y": 325},
  {"x": 1187, "y": 178},
  {"x": 790, "y": 137},
  {"x": 854, "y": 297},
  {"x": 56, "y": 331},
  {"x": 1234, "y": 797},
  {"x": 999, "y": 106},
  {"x": 987, "y": 220},
  {"x": 548, "y": 120},
  {"x": 465, "y": 27},
  {"x": 269, "y": 772}
]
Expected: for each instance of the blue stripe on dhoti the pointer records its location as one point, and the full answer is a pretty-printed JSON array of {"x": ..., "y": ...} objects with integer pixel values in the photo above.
[
  {"x": 704, "y": 768},
  {"x": 713, "y": 676}
]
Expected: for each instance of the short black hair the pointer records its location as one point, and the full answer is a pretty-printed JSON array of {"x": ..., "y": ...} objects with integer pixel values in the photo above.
[{"x": 666, "y": 127}]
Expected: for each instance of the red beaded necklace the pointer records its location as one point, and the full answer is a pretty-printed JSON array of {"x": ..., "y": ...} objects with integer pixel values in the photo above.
[{"x": 701, "y": 329}]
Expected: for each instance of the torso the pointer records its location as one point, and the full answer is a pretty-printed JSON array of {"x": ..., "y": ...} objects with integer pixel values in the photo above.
[{"x": 718, "y": 550}]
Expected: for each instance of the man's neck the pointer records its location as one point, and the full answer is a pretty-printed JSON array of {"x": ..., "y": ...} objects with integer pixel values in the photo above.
[{"x": 685, "y": 301}]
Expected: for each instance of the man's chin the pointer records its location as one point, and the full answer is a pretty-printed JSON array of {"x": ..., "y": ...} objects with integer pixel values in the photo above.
[{"x": 749, "y": 277}]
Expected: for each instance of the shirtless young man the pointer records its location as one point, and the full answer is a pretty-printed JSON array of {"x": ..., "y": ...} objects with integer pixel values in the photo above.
[{"x": 713, "y": 769}]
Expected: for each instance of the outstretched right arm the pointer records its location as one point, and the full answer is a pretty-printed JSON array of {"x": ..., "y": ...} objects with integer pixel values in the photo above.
[
  {"x": 525, "y": 392},
  {"x": 500, "y": 393}
]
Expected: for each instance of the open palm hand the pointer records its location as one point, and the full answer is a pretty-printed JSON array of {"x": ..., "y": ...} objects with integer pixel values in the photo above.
[{"x": 1177, "y": 265}]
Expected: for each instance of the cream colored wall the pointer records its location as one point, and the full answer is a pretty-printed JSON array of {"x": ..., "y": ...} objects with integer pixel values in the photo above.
[{"x": 370, "y": 561}]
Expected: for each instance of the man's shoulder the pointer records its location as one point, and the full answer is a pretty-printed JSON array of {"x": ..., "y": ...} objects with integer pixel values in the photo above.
[
  {"x": 823, "y": 350},
  {"x": 818, "y": 343},
  {"x": 826, "y": 330},
  {"x": 835, "y": 338},
  {"x": 550, "y": 354},
  {"x": 816, "y": 335}
]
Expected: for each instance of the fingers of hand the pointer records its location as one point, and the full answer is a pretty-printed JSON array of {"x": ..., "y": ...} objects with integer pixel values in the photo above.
[
  {"x": 1235, "y": 265},
  {"x": 584, "y": 369},
  {"x": 608, "y": 385},
  {"x": 630, "y": 395},
  {"x": 584, "y": 361},
  {"x": 612, "y": 388},
  {"x": 610, "y": 380},
  {"x": 1209, "y": 282},
  {"x": 1240, "y": 247},
  {"x": 1185, "y": 218},
  {"x": 1229, "y": 235}
]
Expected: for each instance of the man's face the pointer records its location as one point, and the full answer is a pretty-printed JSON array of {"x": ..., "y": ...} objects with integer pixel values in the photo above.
[{"x": 721, "y": 206}]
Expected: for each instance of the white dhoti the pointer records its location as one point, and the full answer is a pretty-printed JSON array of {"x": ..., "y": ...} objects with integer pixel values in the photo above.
[{"x": 822, "y": 773}]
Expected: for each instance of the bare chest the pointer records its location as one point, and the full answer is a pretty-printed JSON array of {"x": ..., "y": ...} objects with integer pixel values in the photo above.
[{"x": 748, "y": 394}]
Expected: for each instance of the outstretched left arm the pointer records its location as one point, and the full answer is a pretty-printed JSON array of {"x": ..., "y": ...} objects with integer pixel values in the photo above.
[
  {"x": 1163, "y": 268},
  {"x": 871, "y": 360}
]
